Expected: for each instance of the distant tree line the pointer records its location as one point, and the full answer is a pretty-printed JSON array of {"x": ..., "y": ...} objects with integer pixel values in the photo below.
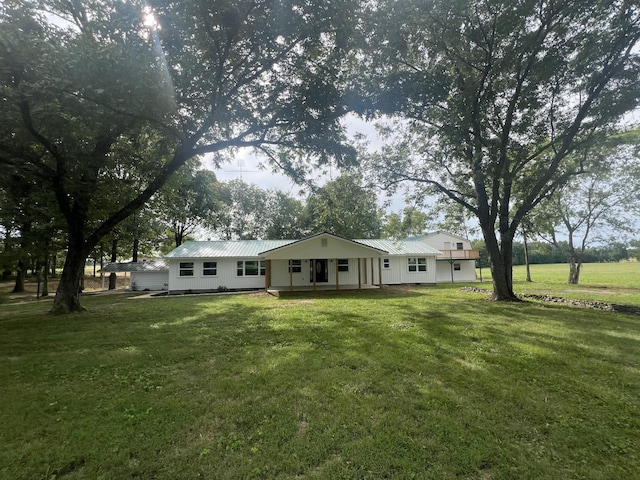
[
  {"x": 503, "y": 108},
  {"x": 542, "y": 252}
]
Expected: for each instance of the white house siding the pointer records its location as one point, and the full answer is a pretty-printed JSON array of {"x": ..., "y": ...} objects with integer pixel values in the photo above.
[
  {"x": 226, "y": 276},
  {"x": 149, "y": 281},
  {"x": 276, "y": 254},
  {"x": 280, "y": 273},
  {"x": 398, "y": 271},
  {"x": 467, "y": 272},
  {"x": 446, "y": 241}
]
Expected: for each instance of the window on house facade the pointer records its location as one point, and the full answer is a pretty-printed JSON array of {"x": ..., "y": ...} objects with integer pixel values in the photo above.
[
  {"x": 417, "y": 264},
  {"x": 459, "y": 246},
  {"x": 186, "y": 269},
  {"x": 209, "y": 268},
  {"x": 251, "y": 268},
  {"x": 343, "y": 264},
  {"x": 457, "y": 267},
  {"x": 295, "y": 266},
  {"x": 386, "y": 263}
]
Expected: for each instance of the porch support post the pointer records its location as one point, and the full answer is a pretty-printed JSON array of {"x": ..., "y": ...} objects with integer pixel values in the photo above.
[
  {"x": 365, "y": 271},
  {"x": 337, "y": 283},
  {"x": 373, "y": 276},
  {"x": 267, "y": 277},
  {"x": 359, "y": 275},
  {"x": 380, "y": 272},
  {"x": 313, "y": 272},
  {"x": 290, "y": 276}
]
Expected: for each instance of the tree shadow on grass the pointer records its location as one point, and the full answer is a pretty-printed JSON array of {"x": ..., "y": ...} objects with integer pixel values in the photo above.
[
  {"x": 521, "y": 374},
  {"x": 350, "y": 386}
]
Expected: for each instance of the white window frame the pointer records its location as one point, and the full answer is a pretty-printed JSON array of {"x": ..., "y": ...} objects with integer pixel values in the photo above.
[
  {"x": 295, "y": 266},
  {"x": 417, "y": 264},
  {"x": 386, "y": 263},
  {"x": 184, "y": 268},
  {"x": 241, "y": 268},
  {"x": 457, "y": 267},
  {"x": 213, "y": 266},
  {"x": 343, "y": 265}
]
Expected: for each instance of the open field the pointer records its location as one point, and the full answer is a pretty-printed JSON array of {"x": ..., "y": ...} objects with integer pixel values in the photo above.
[
  {"x": 606, "y": 282},
  {"x": 424, "y": 382}
]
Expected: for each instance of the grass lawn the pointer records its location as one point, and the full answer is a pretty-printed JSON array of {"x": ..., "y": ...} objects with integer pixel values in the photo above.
[
  {"x": 606, "y": 282},
  {"x": 424, "y": 382}
]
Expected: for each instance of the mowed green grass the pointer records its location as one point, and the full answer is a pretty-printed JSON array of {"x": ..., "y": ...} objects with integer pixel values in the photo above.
[
  {"x": 424, "y": 382},
  {"x": 606, "y": 282}
]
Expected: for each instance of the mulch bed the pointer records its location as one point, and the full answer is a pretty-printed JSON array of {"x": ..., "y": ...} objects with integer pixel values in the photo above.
[{"x": 609, "y": 307}]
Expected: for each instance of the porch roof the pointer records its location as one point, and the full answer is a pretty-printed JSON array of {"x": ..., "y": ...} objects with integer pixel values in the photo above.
[{"x": 323, "y": 245}]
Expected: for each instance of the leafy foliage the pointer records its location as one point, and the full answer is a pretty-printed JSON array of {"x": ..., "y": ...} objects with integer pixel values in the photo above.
[
  {"x": 344, "y": 207},
  {"x": 598, "y": 205},
  {"x": 117, "y": 96},
  {"x": 188, "y": 202},
  {"x": 409, "y": 222},
  {"x": 495, "y": 100}
]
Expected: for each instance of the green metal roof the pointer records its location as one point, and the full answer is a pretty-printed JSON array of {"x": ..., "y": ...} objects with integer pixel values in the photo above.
[
  {"x": 400, "y": 247},
  {"x": 416, "y": 238},
  {"x": 225, "y": 248},
  {"x": 257, "y": 248},
  {"x": 158, "y": 265},
  {"x": 326, "y": 234}
]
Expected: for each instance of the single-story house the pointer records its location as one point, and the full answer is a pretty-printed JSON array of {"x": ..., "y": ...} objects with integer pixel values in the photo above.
[
  {"x": 457, "y": 259},
  {"x": 145, "y": 275},
  {"x": 319, "y": 260}
]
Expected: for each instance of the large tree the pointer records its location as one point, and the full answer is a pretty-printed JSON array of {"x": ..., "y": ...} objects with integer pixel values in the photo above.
[
  {"x": 409, "y": 222},
  {"x": 188, "y": 202},
  {"x": 495, "y": 99},
  {"x": 243, "y": 214},
  {"x": 102, "y": 95},
  {"x": 285, "y": 217},
  {"x": 598, "y": 206},
  {"x": 346, "y": 208}
]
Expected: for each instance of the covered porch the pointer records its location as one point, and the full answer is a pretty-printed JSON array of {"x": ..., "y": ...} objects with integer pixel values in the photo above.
[{"x": 323, "y": 262}]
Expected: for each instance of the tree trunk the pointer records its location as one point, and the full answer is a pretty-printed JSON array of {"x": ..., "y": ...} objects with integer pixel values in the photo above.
[
  {"x": 21, "y": 274},
  {"x": 574, "y": 271},
  {"x": 45, "y": 275},
  {"x": 113, "y": 277},
  {"x": 136, "y": 246},
  {"x": 67, "y": 299},
  {"x": 6, "y": 271},
  {"x": 178, "y": 236},
  {"x": 501, "y": 261},
  {"x": 526, "y": 257}
]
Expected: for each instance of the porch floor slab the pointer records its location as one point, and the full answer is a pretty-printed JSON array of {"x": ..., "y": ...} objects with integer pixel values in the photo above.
[{"x": 275, "y": 290}]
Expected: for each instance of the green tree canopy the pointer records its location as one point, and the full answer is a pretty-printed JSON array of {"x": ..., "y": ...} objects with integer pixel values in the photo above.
[
  {"x": 188, "y": 201},
  {"x": 407, "y": 223},
  {"x": 496, "y": 99},
  {"x": 600, "y": 205},
  {"x": 104, "y": 100},
  {"x": 344, "y": 207}
]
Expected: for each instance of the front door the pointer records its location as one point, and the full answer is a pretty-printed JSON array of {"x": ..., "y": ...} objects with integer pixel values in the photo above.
[{"x": 322, "y": 271}]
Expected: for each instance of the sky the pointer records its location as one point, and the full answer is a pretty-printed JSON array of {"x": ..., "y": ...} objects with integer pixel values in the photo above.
[{"x": 247, "y": 167}]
